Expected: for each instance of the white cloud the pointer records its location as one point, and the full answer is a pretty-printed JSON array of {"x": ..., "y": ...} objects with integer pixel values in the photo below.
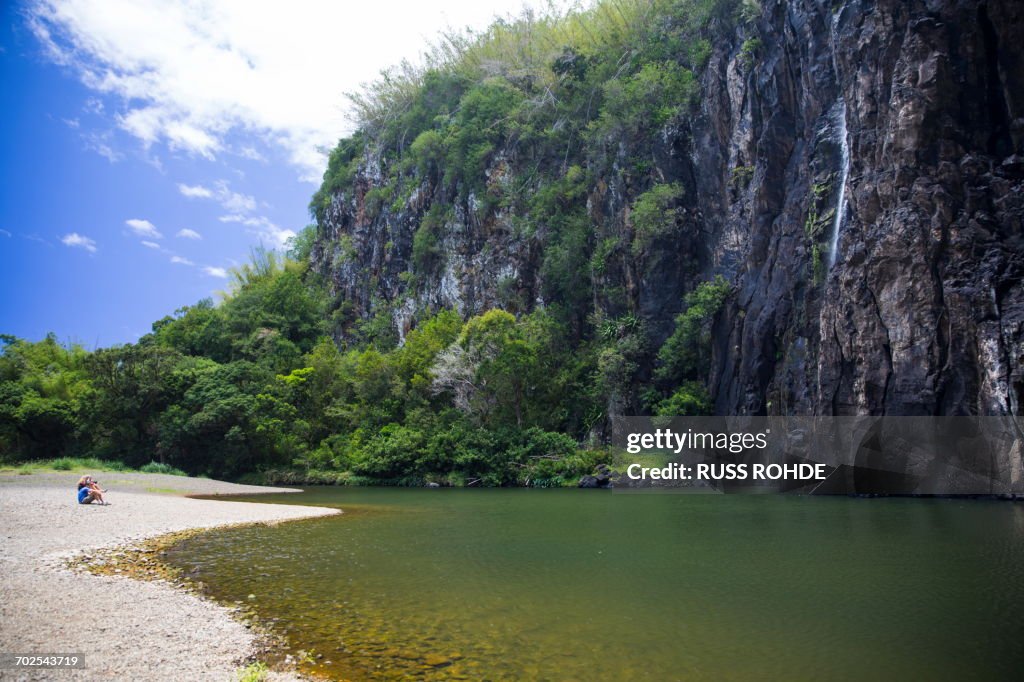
[
  {"x": 181, "y": 261},
  {"x": 5, "y": 233},
  {"x": 151, "y": 245},
  {"x": 233, "y": 201},
  {"x": 188, "y": 234},
  {"x": 236, "y": 202},
  {"x": 251, "y": 153},
  {"x": 263, "y": 227},
  {"x": 240, "y": 209},
  {"x": 37, "y": 238},
  {"x": 194, "y": 191},
  {"x": 216, "y": 272},
  {"x": 186, "y": 73},
  {"x": 143, "y": 228},
  {"x": 76, "y": 240},
  {"x": 101, "y": 143}
]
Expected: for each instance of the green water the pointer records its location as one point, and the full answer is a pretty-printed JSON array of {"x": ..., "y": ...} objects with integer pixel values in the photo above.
[{"x": 590, "y": 585}]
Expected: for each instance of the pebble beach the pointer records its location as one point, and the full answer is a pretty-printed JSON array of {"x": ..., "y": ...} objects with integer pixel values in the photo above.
[{"x": 125, "y": 628}]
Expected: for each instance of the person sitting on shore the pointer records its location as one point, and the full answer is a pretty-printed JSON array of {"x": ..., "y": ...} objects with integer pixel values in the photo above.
[
  {"x": 89, "y": 491},
  {"x": 94, "y": 485}
]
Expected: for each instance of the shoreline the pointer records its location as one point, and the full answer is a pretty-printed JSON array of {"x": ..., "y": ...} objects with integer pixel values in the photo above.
[{"x": 126, "y": 628}]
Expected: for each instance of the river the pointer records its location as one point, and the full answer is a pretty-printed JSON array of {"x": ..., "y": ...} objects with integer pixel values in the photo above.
[{"x": 594, "y": 585}]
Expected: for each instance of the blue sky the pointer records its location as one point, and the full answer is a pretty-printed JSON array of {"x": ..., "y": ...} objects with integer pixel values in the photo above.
[{"x": 146, "y": 147}]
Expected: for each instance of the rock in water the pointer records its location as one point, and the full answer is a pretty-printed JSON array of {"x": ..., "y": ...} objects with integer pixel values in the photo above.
[{"x": 601, "y": 479}]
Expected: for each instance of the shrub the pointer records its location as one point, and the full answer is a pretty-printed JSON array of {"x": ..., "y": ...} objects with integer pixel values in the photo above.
[
  {"x": 391, "y": 453},
  {"x": 655, "y": 214},
  {"x": 699, "y": 52},
  {"x": 76, "y": 464},
  {"x": 254, "y": 672},
  {"x": 750, "y": 11},
  {"x": 424, "y": 247},
  {"x": 427, "y": 152},
  {"x": 686, "y": 352},
  {"x": 749, "y": 50},
  {"x": 565, "y": 471},
  {"x": 485, "y": 113},
  {"x": 161, "y": 468},
  {"x": 647, "y": 100},
  {"x": 689, "y": 400}
]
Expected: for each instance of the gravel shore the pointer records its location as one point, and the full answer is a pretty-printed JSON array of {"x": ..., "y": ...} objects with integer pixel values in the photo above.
[{"x": 127, "y": 629}]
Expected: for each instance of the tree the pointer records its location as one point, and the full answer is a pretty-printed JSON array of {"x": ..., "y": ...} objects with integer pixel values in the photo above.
[
  {"x": 132, "y": 386},
  {"x": 686, "y": 353},
  {"x": 491, "y": 369},
  {"x": 300, "y": 246},
  {"x": 197, "y": 330},
  {"x": 42, "y": 397}
]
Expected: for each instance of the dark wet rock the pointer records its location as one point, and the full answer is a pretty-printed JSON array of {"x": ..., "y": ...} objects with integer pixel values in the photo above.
[
  {"x": 921, "y": 313},
  {"x": 602, "y": 478},
  {"x": 918, "y": 104}
]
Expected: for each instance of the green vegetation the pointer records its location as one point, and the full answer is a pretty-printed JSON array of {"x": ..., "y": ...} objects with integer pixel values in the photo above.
[
  {"x": 655, "y": 214},
  {"x": 425, "y": 251},
  {"x": 819, "y": 268},
  {"x": 816, "y": 227},
  {"x": 591, "y": 87},
  {"x": 688, "y": 351},
  {"x": 554, "y": 127},
  {"x": 83, "y": 463},
  {"x": 75, "y": 464},
  {"x": 749, "y": 50},
  {"x": 253, "y": 385},
  {"x": 160, "y": 468},
  {"x": 254, "y": 672},
  {"x": 741, "y": 176},
  {"x": 286, "y": 379},
  {"x": 86, "y": 465}
]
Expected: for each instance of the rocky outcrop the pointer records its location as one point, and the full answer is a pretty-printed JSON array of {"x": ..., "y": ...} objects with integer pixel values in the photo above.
[
  {"x": 921, "y": 312},
  {"x": 602, "y": 478},
  {"x": 855, "y": 170}
]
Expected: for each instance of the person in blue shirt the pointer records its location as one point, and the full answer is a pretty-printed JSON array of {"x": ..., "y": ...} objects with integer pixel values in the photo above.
[{"x": 89, "y": 491}]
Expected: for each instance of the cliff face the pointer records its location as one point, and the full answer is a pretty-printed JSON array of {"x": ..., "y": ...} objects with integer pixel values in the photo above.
[
  {"x": 854, "y": 171},
  {"x": 922, "y": 310}
]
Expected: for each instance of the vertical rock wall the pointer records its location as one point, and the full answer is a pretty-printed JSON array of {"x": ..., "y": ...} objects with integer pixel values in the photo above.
[{"x": 901, "y": 123}]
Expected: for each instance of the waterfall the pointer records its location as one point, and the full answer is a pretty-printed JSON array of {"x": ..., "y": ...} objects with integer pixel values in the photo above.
[
  {"x": 839, "y": 121},
  {"x": 839, "y": 125}
]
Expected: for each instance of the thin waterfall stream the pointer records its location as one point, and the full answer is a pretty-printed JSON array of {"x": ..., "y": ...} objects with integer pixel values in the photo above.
[
  {"x": 839, "y": 125},
  {"x": 844, "y": 146}
]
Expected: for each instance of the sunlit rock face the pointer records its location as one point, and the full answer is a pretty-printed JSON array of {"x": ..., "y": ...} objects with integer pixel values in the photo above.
[{"x": 857, "y": 178}]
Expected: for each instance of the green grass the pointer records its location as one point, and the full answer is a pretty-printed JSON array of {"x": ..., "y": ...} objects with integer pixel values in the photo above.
[
  {"x": 622, "y": 460},
  {"x": 254, "y": 672},
  {"x": 160, "y": 468},
  {"x": 92, "y": 463},
  {"x": 82, "y": 465},
  {"x": 74, "y": 464}
]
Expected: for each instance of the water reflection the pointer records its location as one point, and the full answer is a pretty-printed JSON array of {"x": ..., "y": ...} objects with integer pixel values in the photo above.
[{"x": 513, "y": 584}]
